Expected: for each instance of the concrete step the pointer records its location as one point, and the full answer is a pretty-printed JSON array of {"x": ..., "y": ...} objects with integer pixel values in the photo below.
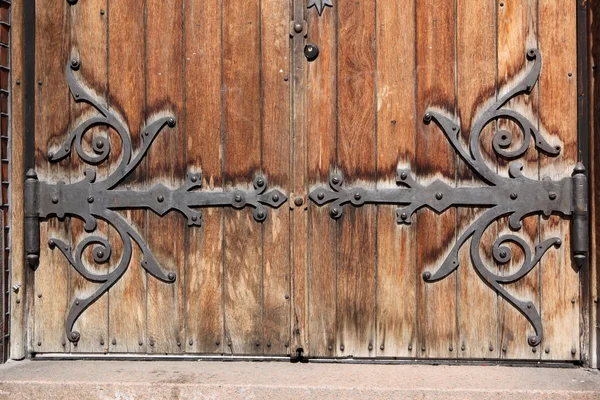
[{"x": 81, "y": 380}]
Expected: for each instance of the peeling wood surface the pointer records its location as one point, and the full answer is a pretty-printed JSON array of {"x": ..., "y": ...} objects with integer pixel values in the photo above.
[{"x": 247, "y": 103}]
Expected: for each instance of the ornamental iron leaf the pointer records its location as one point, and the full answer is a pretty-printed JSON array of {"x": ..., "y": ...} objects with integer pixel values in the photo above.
[
  {"x": 320, "y": 5},
  {"x": 514, "y": 197},
  {"x": 91, "y": 200}
]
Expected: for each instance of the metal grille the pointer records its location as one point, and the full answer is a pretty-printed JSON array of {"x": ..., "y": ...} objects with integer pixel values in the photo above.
[{"x": 5, "y": 173}]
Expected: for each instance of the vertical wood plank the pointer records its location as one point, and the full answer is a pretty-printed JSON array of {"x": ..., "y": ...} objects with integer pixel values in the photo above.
[
  {"x": 52, "y": 122},
  {"x": 558, "y": 115},
  {"x": 126, "y": 70},
  {"x": 275, "y": 47},
  {"x": 166, "y": 165},
  {"x": 322, "y": 110},
  {"x": 517, "y": 32},
  {"x": 89, "y": 45},
  {"x": 203, "y": 104},
  {"x": 243, "y": 236},
  {"x": 436, "y": 303},
  {"x": 396, "y": 245},
  {"x": 476, "y": 86},
  {"x": 20, "y": 311},
  {"x": 356, "y": 160}
]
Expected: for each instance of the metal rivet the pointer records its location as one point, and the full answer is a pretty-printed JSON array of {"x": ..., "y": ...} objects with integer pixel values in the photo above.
[
  {"x": 514, "y": 196},
  {"x": 179, "y": 343},
  {"x": 260, "y": 182},
  {"x": 570, "y": 74},
  {"x": 298, "y": 201},
  {"x": 410, "y": 347},
  {"x": 18, "y": 82},
  {"x": 426, "y": 275},
  {"x": 237, "y": 198},
  {"x": 404, "y": 216},
  {"x": 75, "y": 64},
  {"x": 160, "y": 198},
  {"x": 297, "y": 27},
  {"x": 423, "y": 348},
  {"x": 370, "y": 347},
  {"x": 501, "y": 4},
  {"x": 171, "y": 276},
  {"x": 403, "y": 176},
  {"x": 261, "y": 215},
  {"x": 268, "y": 344},
  {"x": 547, "y": 350},
  {"x": 335, "y": 212},
  {"x": 39, "y": 343},
  {"x": 552, "y": 196},
  {"x": 463, "y": 348},
  {"x": 287, "y": 296},
  {"x": 596, "y": 300},
  {"x": 257, "y": 343},
  {"x": 55, "y": 200},
  {"x": 534, "y": 350},
  {"x": 503, "y": 254},
  {"x": 330, "y": 347},
  {"x": 191, "y": 342},
  {"x": 100, "y": 254},
  {"x": 194, "y": 178},
  {"x": 382, "y": 347},
  {"x": 39, "y": 296},
  {"x": 40, "y": 83},
  {"x": 573, "y": 351},
  {"x": 439, "y": 196},
  {"x": 451, "y": 348},
  {"x": 335, "y": 180},
  {"x": 218, "y": 342},
  {"x": 90, "y": 199},
  {"x": 229, "y": 343},
  {"x": 529, "y": 305},
  {"x": 287, "y": 344},
  {"x": 358, "y": 196},
  {"x": 141, "y": 343},
  {"x": 114, "y": 341},
  {"x": 491, "y": 348},
  {"x": 194, "y": 218},
  {"x": 286, "y": 78},
  {"x": 342, "y": 347},
  {"x": 18, "y": 301},
  {"x": 102, "y": 12},
  {"x": 275, "y": 197},
  {"x": 64, "y": 343},
  {"x": 504, "y": 348},
  {"x": 573, "y": 300},
  {"x": 321, "y": 196},
  {"x": 77, "y": 303},
  {"x": 99, "y": 144}
]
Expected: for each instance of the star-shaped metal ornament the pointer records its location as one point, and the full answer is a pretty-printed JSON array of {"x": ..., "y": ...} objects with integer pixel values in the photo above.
[{"x": 320, "y": 5}]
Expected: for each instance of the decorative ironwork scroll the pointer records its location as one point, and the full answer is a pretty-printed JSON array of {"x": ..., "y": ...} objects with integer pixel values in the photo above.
[
  {"x": 320, "y": 5},
  {"x": 515, "y": 196},
  {"x": 92, "y": 200}
]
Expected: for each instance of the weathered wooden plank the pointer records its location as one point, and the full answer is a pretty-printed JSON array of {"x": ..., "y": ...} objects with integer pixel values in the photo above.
[
  {"x": 166, "y": 165},
  {"x": 89, "y": 44},
  {"x": 558, "y": 116},
  {"x": 52, "y": 123},
  {"x": 275, "y": 48},
  {"x": 126, "y": 72},
  {"x": 243, "y": 236},
  {"x": 517, "y": 33},
  {"x": 203, "y": 105},
  {"x": 476, "y": 86},
  {"x": 356, "y": 160},
  {"x": 396, "y": 245},
  {"x": 19, "y": 310},
  {"x": 436, "y": 303},
  {"x": 321, "y": 109}
]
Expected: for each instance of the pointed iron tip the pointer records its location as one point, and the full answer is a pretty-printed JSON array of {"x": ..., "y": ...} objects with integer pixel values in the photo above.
[
  {"x": 31, "y": 174},
  {"x": 579, "y": 169}
]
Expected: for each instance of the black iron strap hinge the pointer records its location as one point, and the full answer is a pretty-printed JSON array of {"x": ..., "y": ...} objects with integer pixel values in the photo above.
[
  {"x": 92, "y": 200},
  {"x": 514, "y": 196}
]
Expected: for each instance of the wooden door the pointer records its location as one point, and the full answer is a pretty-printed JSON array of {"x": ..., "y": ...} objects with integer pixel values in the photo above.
[{"x": 324, "y": 178}]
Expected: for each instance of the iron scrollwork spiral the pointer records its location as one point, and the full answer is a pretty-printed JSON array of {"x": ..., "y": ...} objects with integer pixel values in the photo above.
[
  {"x": 514, "y": 197},
  {"x": 92, "y": 200}
]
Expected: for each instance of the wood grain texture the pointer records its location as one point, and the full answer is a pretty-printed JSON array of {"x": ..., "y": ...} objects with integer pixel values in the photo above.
[
  {"x": 243, "y": 236},
  {"x": 166, "y": 165},
  {"x": 203, "y": 110},
  {"x": 517, "y": 32},
  {"x": 436, "y": 303},
  {"x": 89, "y": 45},
  {"x": 396, "y": 245},
  {"x": 321, "y": 109},
  {"x": 52, "y": 123},
  {"x": 275, "y": 71},
  {"x": 356, "y": 161},
  {"x": 19, "y": 317},
  {"x": 127, "y": 77},
  {"x": 558, "y": 116},
  {"x": 476, "y": 88},
  {"x": 594, "y": 44}
]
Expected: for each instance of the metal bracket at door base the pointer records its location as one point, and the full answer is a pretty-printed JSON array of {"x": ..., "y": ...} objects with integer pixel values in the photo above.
[
  {"x": 92, "y": 200},
  {"x": 514, "y": 197}
]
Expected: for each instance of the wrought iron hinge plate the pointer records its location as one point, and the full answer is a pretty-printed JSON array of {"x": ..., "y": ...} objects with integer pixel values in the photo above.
[
  {"x": 93, "y": 200},
  {"x": 514, "y": 197}
]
